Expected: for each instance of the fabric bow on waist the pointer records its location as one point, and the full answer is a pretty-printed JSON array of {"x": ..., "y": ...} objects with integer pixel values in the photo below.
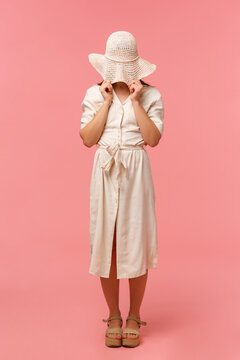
[{"x": 115, "y": 156}]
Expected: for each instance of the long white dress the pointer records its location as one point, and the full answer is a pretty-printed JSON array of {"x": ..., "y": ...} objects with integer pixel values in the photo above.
[{"x": 121, "y": 187}]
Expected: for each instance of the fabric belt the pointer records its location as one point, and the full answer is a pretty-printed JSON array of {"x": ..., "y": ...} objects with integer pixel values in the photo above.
[{"x": 115, "y": 156}]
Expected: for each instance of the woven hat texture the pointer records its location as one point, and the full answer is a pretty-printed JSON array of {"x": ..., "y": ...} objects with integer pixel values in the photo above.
[{"x": 121, "y": 61}]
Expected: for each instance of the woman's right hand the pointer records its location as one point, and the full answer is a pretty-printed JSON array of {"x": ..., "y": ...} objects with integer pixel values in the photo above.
[{"x": 106, "y": 91}]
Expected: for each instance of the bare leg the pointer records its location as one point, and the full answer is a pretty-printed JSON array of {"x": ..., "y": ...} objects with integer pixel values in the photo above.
[
  {"x": 137, "y": 288},
  {"x": 110, "y": 288}
]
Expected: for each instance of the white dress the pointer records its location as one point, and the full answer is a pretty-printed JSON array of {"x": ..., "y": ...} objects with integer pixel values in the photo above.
[{"x": 121, "y": 187}]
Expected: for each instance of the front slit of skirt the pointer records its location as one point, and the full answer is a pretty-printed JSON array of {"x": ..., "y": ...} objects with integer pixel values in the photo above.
[{"x": 114, "y": 223}]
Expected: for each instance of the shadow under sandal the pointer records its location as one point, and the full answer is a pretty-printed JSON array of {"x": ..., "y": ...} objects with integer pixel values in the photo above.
[
  {"x": 111, "y": 341},
  {"x": 132, "y": 342}
]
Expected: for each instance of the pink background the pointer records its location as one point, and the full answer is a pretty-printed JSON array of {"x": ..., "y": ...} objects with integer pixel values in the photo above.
[{"x": 51, "y": 308}]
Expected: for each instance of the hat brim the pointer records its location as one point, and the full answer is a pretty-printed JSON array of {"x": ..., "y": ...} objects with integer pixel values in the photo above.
[{"x": 121, "y": 71}]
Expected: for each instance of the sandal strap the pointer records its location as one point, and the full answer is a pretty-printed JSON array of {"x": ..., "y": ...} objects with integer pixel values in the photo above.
[
  {"x": 129, "y": 330},
  {"x": 137, "y": 319},
  {"x": 113, "y": 317},
  {"x": 113, "y": 330}
]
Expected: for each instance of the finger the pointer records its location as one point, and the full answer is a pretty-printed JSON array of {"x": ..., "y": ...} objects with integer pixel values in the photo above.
[{"x": 107, "y": 88}]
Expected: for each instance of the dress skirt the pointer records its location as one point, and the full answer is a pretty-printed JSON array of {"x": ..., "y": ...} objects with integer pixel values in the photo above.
[{"x": 122, "y": 192}]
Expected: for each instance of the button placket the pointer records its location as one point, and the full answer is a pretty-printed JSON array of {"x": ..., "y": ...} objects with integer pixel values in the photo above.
[{"x": 120, "y": 125}]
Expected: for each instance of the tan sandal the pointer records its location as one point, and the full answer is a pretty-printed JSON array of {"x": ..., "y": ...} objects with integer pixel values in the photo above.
[
  {"x": 132, "y": 342},
  {"x": 109, "y": 341}
]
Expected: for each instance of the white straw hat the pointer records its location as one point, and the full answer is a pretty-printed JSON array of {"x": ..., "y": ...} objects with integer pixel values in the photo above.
[{"x": 121, "y": 61}]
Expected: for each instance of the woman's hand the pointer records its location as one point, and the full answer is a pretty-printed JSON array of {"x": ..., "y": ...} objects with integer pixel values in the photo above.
[
  {"x": 106, "y": 91},
  {"x": 135, "y": 88}
]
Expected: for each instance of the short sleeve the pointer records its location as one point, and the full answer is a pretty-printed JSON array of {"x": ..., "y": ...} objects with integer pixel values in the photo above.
[
  {"x": 88, "y": 109},
  {"x": 156, "y": 113}
]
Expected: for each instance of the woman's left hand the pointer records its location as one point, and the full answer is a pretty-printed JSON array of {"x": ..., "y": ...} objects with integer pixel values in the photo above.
[{"x": 135, "y": 88}]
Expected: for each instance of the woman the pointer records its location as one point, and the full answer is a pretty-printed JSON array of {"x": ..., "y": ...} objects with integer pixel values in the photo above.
[{"x": 122, "y": 114}]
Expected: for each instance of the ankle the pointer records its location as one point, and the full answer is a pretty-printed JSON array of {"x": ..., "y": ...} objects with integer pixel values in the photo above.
[
  {"x": 115, "y": 313},
  {"x": 132, "y": 313}
]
